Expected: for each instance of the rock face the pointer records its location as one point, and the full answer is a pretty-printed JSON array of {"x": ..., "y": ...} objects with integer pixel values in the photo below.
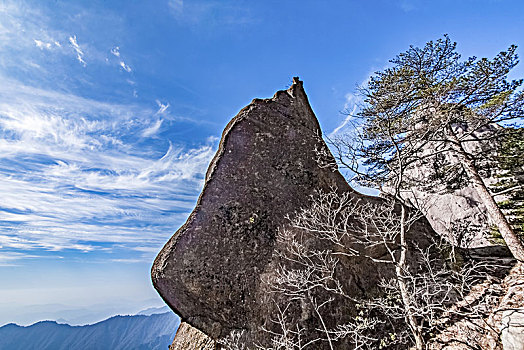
[
  {"x": 512, "y": 320},
  {"x": 264, "y": 169},
  {"x": 443, "y": 207},
  {"x": 188, "y": 337},
  {"x": 267, "y": 167},
  {"x": 500, "y": 325},
  {"x": 462, "y": 205}
]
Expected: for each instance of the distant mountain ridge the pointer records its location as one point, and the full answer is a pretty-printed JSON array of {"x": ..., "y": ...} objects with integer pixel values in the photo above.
[
  {"x": 139, "y": 332},
  {"x": 154, "y": 310},
  {"x": 72, "y": 314}
]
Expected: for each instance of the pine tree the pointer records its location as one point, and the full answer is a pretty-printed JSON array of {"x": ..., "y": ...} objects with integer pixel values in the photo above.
[
  {"x": 424, "y": 112},
  {"x": 510, "y": 184}
]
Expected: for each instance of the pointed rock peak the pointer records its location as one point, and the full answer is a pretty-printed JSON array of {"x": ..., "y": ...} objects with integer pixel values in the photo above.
[
  {"x": 295, "y": 100},
  {"x": 297, "y": 86},
  {"x": 215, "y": 271},
  {"x": 266, "y": 168}
]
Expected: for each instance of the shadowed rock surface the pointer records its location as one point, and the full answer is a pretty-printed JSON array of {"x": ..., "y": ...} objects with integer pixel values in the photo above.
[{"x": 266, "y": 168}]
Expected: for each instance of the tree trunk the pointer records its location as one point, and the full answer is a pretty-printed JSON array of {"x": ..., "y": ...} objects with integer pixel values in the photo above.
[
  {"x": 401, "y": 280},
  {"x": 514, "y": 243}
]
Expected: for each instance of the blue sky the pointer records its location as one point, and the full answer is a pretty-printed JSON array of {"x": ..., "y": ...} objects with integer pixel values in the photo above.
[{"x": 111, "y": 110}]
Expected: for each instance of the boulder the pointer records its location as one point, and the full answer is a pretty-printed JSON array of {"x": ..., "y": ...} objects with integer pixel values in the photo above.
[
  {"x": 512, "y": 307},
  {"x": 270, "y": 163},
  {"x": 457, "y": 212},
  {"x": 265, "y": 168}
]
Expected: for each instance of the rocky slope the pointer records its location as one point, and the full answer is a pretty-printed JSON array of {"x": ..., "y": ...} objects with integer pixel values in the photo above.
[
  {"x": 500, "y": 321},
  {"x": 446, "y": 206}
]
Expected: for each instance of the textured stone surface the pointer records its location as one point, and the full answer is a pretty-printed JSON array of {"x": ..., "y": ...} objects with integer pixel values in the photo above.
[
  {"x": 512, "y": 320},
  {"x": 462, "y": 205},
  {"x": 501, "y": 298},
  {"x": 443, "y": 207},
  {"x": 264, "y": 169},
  {"x": 212, "y": 271},
  {"x": 188, "y": 337},
  {"x": 512, "y": 336}
]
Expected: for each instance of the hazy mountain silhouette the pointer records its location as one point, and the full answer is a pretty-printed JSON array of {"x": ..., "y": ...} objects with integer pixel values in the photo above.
[{"x": 119, "y": 332}]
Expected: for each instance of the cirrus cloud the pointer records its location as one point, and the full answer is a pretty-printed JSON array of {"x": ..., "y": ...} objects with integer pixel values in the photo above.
[{"x": 74, "y": 175}]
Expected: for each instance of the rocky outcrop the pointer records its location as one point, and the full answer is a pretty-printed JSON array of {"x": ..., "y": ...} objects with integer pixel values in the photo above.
[
  {"x": 264, "y": 169},
  {"x": 188, "y": 337},
  {"x": 509, "y": 316},
  {"x": 443, "y": 210},
  {"x": 270, "y": 162},
  {"x": 498, "y": 323},
  {"x": 457, "y": 213}
]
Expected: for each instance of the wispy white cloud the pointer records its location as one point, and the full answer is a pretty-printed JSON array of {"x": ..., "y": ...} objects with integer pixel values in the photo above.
[
  {"x": 125, "y": 66},
  {"x": 42, "y": 45},
  {"x": 77, "y": 173},
  {"x": 351, "y": 104},
  {"x": 127, "y": 261},
  {"x": 116, "y": 51},
  {"x": 162, "y": 107},
  {"x": 153, "y": 129},
  {"x": 25, "y": 26},
  {"x": 76, "y": 47},
  {"x": 22, "y": 30},
  {"x": 72, "y": 175},
  {"x": 10, "y": 258}
]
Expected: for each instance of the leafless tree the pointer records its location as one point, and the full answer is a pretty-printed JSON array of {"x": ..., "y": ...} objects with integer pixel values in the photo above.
[
  {"x": 419, "y": 299},
  {"x": 233, "y": 341}
]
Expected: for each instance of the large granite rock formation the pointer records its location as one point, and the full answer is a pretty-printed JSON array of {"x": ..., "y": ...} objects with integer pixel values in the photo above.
[
  {"x": 264, "y": 169},
  {"x": 267, "y": 167},
  {"x": 463, "y": 206},
  {"x": 457, "y": 212}
]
